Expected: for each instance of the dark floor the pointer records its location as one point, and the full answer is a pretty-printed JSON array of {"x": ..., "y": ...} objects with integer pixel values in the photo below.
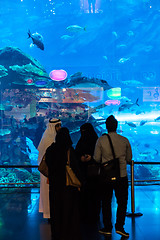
[{"x": 20, "y": 219}]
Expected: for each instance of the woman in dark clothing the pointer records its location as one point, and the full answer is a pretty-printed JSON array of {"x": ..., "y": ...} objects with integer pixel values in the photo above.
[
  {"x": 64, "y": 200},
  {"x": 90, "y": 204}
]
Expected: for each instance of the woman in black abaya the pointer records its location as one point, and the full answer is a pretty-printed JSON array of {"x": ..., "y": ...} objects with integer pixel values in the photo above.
[
  {"x": 89, "y": 203},
  {"x": 64, "y": 200}
]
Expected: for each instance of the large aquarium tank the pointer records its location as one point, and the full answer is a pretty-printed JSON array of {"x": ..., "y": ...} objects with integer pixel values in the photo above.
[{"x": 80, "y": 61}]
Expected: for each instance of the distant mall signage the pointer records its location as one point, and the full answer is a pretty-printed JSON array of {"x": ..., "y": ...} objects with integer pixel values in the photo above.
[{"x": 151, "y": 94}]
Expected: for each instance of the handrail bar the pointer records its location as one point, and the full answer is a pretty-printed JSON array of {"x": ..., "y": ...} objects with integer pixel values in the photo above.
[
  {"x": 149, "y": 163},
  {"x": 152, "y": 180},
  {"x": 18, "y": 166},
  {"x": 15, "y": 183},
  {"x": 36, "y": 166}
]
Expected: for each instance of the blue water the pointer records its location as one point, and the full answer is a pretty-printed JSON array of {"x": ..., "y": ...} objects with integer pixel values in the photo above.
[
  {"x": 119, "y": 43},
  {"x": 119, "y": 29}
]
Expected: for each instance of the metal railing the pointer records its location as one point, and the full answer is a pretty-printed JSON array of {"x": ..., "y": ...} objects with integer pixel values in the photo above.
[
  {"x": 18, "y": 166},
  {"x": 132, "y": 213}
]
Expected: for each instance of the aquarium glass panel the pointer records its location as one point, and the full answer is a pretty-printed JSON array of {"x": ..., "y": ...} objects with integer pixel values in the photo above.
[{"x": 19, "y": 177}]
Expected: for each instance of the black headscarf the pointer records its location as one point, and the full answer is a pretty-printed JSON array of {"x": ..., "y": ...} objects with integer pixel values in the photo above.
[
  {"x": 63, "y": 139},
  {"x": 56, "y": 158},
  {"x": 87, "y": 141}
]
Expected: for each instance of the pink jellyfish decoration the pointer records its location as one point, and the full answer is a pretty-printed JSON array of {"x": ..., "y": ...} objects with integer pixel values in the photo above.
[
  {"x": 29, "y": 80},
  {"x": 58, "y": 75},
  {"x": 112, "y": 102}
]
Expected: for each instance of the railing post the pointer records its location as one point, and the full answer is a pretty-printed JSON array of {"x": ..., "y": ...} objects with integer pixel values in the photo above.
[{"x": 133, "y": 214}]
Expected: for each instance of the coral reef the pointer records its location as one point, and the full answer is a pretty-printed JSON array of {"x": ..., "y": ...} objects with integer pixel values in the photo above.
[{"x": 3, "y": 71}]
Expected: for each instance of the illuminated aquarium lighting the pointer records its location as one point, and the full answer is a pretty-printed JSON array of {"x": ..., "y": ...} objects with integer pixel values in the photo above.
[
  {"x": 114, "y": 93},
  {"x": 112, "y": 102},
  {"x": 29, "y": 80},
  {"x": 40, "y": 83},
  {"x": 58, "y": 75}
]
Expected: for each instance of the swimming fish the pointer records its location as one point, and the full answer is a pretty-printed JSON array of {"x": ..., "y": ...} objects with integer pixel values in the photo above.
[
  {"x": 119, "y": 131},
  {"x": 142, "y": 122},
  {"x": 75, "y": 75},
  {"x": 130, "y": 33},
  {"x": 139, "y": 111},
  {"x": 151, "y": 153},
  {"x": 157, "y": 119},
  {"x": 127, "y": 105},
  {"x": 132, "y": 83},
  {"x": 75, "y": 28},
  {"x": 121, "y": 46},
  {"x": 123, "y": 60},
  {"x": 131, "y": 124},
  {"x": 66, "y": 37},
  {"x": 37, "y": 39},
  {"x": 115, "y": 34},
  {"x": 148, "y": 48}
]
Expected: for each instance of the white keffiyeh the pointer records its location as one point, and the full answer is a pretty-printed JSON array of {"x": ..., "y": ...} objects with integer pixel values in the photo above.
[{"x": 48, "y": 137}]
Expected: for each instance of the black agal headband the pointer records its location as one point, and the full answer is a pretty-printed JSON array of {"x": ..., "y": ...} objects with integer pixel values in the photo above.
[{"x": 54, "y": 121}]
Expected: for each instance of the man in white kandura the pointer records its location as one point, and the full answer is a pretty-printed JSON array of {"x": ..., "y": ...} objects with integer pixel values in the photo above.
[{"x": 47, "y": 139}]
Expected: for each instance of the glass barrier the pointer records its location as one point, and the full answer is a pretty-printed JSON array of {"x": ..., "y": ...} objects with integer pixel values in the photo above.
[
  {"x": 147, "y": 173},
  {"x": 19, "y": 176}
]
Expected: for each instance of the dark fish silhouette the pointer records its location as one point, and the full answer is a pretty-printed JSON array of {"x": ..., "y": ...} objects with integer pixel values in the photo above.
[
  {"x": 131, "y": 124},
  {"x": 157, "y": 119},
  {"x": 127, "y": 105},
  {"x": 37, "y": 39},
  {"x": 142, "y": 122}
]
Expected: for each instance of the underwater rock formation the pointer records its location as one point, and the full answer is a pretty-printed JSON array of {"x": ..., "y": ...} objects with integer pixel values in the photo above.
[
  {"x": 77, "y": 79},
  {"x": 3, "y": 71},
  {"x": 20, "y": 67},
  {"x": 84, "y": 80},
  {"x": 29, "y": 71}
]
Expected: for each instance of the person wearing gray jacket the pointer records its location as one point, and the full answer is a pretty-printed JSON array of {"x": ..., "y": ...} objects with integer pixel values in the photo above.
[{"x": 103, "y": 153}]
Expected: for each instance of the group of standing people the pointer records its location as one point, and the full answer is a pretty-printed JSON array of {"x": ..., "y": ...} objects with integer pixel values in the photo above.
[{"x": 66, "y": 206}]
